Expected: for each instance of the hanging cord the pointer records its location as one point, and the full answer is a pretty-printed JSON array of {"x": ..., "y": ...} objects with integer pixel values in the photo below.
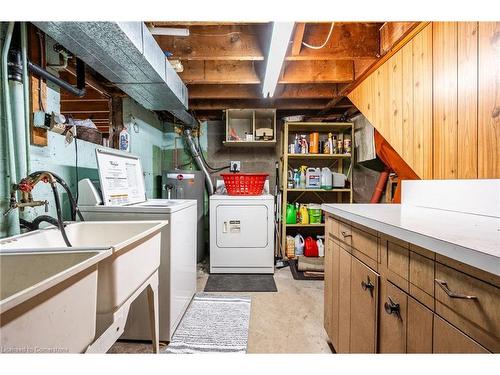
[
  {"x": 200, "y": 151},
  {"x": 324, "y": 43},
  {"x": 76, "y": 170}
]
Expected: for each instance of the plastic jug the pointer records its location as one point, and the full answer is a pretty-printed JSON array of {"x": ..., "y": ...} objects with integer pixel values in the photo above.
[
  {"x": 326, "y": 178},
  {"x": 313, "y": 178},
  {"x": 321, "y": 246},
  {"x": 304, "y": 214},
  {"x": 299, "y": 245},
  {"x": 310, "y": 247},
  {"x": 291, "y": 214}
]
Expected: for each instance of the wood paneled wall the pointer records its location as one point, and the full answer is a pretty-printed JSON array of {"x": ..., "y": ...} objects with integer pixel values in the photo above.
[{"x": 437, "y": 100}]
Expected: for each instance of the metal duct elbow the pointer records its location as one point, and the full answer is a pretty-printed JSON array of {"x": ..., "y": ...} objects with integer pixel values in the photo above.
[{"x": 199, "y": 162}]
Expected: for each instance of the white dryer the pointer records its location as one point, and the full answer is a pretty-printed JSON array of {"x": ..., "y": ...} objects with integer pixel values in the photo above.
[
  {"x": 242, "y": 234},
  {"x": 123, "y": 194}
]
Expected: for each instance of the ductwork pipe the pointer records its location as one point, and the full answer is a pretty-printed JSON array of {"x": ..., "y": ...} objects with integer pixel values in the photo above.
[
  {"x": 78, "y": 91},
  {"x": 199, "y": 161},
  {"x": 12, "y": 226}
]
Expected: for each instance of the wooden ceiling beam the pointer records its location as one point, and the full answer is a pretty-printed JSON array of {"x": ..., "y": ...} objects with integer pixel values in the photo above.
[
  {"x": 203, "y": 104},
  {"x": 297, "y": 38},
  {"x": 317, "y": 72},
  {"x": 393, "y": 32},
  {"x": 291, "y": 91},
  {"x": 220, "y": 72},
  {"x": 349, "y": 41},
  {"x": 216, "y": 43}
]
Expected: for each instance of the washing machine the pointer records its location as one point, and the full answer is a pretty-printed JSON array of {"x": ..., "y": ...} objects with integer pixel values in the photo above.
[
  {"x": 241, "y": 234},
  {"x": 120, "y": 195}
]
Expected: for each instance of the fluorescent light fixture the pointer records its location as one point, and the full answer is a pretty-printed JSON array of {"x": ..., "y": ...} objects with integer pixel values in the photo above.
[
  {"x": 280, "y": 39},
  {"x": 168, "y": 31}
]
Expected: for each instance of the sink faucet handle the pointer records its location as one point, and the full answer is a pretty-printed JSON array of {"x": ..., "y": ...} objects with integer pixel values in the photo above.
[{"x": 46, "y": 205}]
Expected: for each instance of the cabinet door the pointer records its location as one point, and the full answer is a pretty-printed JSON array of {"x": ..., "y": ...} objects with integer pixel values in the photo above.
[
  {"x": 331, "y": 290},
  {"x": 393, "y": 319},
  {"x": 419, "y": 328},
  {"x": 344, "y": 301},
  {"x": 448, "y": 339},
  {"x": 364, "y": 307}
]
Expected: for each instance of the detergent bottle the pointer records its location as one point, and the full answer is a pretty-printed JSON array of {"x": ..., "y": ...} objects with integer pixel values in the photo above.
[
  {"x": 313, "y": 178},
  {"x": 310, "y": 247},
  {"x": 299, "y": 245},
  {"x": 304, "y": 214},
  {"x": 321, "y": 246},
  {"x": 326, "y": 178},
  {"x": 302, "y": 184},
  {"x": 124, "y": 140},
  {"x": 291, "y": 214}
]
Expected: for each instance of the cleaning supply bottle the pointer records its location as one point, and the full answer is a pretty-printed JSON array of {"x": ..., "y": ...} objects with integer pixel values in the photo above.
[
  {"x": 296, "y": 144},
  {"x": 296, "y": 178},
  {"x": 313, "y": 178},
  {"x": 124, "y": 140},
  {"x": 291, "y": 214},
  {"x": 330, "y": 143},
  {"x": 304, "y": 214},
  {"x": 302, "y": 184},
  {"x": 321, "y": 246},
  {"x": 299, "y": 245},
  {"x": 313, "y": 142},
  {"x": 326, "y": 179}
]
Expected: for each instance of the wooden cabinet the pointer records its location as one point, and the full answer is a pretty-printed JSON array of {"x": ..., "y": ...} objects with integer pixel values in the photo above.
[
  {"x": 331, "y": 315},
  {"x": 448, "y": 339},
  {"x": 413, "y": 302},
  {"x": 364, "y": 308},
  {"x": 393, "y": 319},
  {"x": 405, "y": 325}
]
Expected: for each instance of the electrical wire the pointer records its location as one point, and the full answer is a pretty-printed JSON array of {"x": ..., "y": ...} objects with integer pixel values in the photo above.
[
  {"x": 324, "y": 43},
  {"x": 200, "y": 151}
]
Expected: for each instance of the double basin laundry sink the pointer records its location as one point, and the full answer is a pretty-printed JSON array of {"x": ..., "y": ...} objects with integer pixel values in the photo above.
[{"x": 55, "y": 298}]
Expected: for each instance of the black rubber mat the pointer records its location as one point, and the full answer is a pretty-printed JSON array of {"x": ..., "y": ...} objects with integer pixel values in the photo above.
[{"x": 225, "y": 282}]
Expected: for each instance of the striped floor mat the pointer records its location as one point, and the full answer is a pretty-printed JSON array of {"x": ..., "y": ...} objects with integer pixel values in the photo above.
[{"x": 213, "y": 324}]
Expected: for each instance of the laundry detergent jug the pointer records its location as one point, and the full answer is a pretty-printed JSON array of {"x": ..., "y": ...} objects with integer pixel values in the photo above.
[
  {"x": 304, "y": 214},
  {"x": 310, "y": 247},
  {"x": 291, "y": 214},
  {"x": 321, "y": 246},
  {"x": 299, "y": 245},
  {"x": 326, "y": 178}
]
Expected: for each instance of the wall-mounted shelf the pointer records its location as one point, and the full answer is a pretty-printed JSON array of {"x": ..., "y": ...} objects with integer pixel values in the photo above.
[
  {"x": 250, "y": 127},
  {"x": 319, "y": 156},
  {"x": 305, "y": 225}
]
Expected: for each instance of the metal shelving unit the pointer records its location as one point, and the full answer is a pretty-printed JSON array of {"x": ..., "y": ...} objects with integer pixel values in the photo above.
[{"x": 338, "y": 162}]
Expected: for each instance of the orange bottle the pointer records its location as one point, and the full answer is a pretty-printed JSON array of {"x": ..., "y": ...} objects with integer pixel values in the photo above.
[{"x": 313, "y": 143}]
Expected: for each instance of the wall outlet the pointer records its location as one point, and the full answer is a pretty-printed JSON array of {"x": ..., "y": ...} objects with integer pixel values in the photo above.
[{"x": 235, "y": 166}]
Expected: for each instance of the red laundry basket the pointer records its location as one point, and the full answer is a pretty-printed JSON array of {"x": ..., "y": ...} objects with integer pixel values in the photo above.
[{"x": 244, "y": 183}]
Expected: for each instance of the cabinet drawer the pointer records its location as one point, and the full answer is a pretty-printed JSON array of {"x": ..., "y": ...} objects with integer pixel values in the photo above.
[
  {"x": 332, "y": 226},
  {"x": 476, "y": 316},
  {"x": 448, "y": 339},
  {"x": 345, "y": 233},
  {"x": 365, "y": 243},
  {"x": 422, "y": 279}
]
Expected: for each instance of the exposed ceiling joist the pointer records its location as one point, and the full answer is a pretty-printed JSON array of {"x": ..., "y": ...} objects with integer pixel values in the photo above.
[
  {"x": 317, "y": 71},
  {"x": 297, "y": 38},
  {"x": 216, "y": 43},
  {"x": 202, "y": 104},
  {"x": 239, "y": 91}
]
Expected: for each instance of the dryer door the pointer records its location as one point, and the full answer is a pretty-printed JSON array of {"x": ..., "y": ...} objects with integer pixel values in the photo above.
[{"x": 242, "y": 226}]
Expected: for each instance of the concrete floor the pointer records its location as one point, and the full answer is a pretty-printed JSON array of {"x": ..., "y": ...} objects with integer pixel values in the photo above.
[{"x": 289, "y": 321}]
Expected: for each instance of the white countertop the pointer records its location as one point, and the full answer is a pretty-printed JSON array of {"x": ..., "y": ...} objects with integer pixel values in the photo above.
[{"x": 469, "y": 238}]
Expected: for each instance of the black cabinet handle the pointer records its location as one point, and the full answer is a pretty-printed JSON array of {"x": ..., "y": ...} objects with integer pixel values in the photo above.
[
  {"x": 345, "y": 234},
  {"x": 367, "y": 285},
  {"x": 392, "y": 307}
]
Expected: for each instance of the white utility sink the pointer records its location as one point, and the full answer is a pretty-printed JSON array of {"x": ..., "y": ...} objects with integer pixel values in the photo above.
[
  {"x": 125, "y": 253},
  {"x": 43, "y": 295}
]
